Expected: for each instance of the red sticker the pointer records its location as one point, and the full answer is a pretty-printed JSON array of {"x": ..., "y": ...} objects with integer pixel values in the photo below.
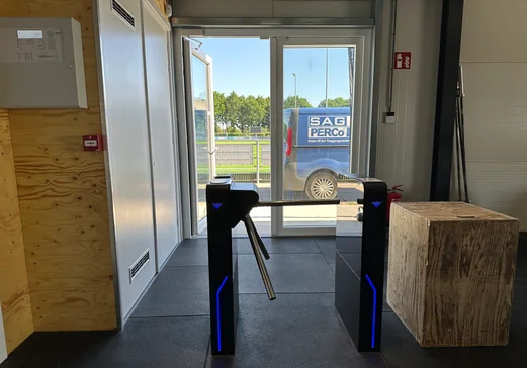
[{"x": 402, "y": 60}]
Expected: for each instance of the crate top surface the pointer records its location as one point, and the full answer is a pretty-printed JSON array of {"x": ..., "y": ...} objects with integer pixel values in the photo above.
[{"x": 452, "y": 211}]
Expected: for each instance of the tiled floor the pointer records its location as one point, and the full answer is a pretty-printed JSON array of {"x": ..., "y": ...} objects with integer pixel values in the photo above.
[{"x": 170, "y": 326}]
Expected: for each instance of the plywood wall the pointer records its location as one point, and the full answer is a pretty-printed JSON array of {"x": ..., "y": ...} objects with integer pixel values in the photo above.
[
  {"x": 62, "y": 195},
  {"x": 160, "y": 4},
  {"x": 14, "y": 289}
]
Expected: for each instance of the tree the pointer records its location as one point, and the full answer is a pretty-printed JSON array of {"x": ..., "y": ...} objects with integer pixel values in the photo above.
[
  {"x": 339, "y": 102},
  {"x": 265, "y": 121},
  {"x": 219, "y": 109},
  {"x": 233, "y": 104},
  {"x": 238, "y": 113},
  {"x": 301, "y": 102}
]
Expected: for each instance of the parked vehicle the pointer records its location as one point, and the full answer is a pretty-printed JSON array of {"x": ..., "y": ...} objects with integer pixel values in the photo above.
[{"x": 316, "y": 150}]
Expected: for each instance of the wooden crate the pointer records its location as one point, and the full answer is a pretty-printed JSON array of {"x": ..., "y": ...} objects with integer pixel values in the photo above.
[{"x": 451, "y": 270}]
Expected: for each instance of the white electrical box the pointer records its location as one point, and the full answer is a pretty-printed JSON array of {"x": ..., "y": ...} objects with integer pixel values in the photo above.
[{"x": 41, "y": 63}]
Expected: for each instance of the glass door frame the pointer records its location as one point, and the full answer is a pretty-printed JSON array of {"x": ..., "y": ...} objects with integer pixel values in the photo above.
[
  {"x": 361, "y": 123},
  {"x": 197, "y": 225},
  {"x": 280, "y": 34}
]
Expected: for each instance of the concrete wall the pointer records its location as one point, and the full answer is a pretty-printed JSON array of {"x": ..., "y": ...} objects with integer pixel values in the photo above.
[
  {"x": 494, "y": 59},
  {"x": 271, "y": 8}
]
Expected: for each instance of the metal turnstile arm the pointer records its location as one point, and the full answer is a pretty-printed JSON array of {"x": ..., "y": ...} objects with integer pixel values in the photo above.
[{"x": 255, "y": 243}]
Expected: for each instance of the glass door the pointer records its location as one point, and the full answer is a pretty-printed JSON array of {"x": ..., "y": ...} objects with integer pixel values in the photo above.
[
  {"x": 200, "y": 128},
  {"x": 321, "y": 128}
]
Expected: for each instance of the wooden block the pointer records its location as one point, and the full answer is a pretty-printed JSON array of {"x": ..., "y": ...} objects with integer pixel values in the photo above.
[{"x": 451, "y": 270}]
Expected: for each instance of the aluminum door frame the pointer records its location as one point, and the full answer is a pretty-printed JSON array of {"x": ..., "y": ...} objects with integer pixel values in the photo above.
[
  {"x": 361, "y": 123},
  {"x": 188, "y": 155},
  {"x": 276, "y": 33}
]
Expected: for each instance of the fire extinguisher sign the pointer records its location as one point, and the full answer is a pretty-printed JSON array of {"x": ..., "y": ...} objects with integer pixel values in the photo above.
[{"x": 402, "y": 60}]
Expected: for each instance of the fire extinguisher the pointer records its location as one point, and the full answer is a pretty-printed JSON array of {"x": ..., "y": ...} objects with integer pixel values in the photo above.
[{"x": 394, "y": 195}]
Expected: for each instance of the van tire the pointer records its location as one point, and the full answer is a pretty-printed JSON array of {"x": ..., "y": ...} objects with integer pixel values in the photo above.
[{"x": 321, "y": 186}]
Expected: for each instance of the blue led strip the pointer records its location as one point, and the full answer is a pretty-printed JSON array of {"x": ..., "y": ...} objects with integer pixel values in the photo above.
[
  {"x": 374, "y": 311},
  {"x": 218, "y": 313}
]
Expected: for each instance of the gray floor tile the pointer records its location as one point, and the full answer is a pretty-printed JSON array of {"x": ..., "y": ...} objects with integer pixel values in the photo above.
[
  {"x": 286, "y": 245},
  {"x": 192, "y": 253},
  {"x": 401, "y": 350},
  {"x": 144, "y": 342},
  {"x": 23, "y": 353},
  {"x": 328, "y": 246},
  {"x": 289, "y": 273},
  {"x": 299, "y": 330},
  {"x": 177, "y": 291}
]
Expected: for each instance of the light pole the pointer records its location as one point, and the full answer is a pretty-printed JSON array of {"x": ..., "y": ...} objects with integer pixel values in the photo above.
[
  {"x": 294, "y": 75},
  {"x": 327, "y": 76}
]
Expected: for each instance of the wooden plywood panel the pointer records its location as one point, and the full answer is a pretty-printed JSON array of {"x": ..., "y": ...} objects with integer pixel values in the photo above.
[
  {"x": 322, "y": 8},
  {"x": 63, "y": 200},
  {"x": 161, "y": 4},
  {"x": 451, "y": 272},
  {"x": 61, "y": 302},
  {"x": 407, "y": 255},
  {"x": 470, "y": 277},
  {"x": 14, "y": 291},
  {"x": 493, "y": 31}
]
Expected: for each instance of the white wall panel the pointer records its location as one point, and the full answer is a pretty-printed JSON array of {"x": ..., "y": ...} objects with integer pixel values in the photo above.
[
  {"x": 500, "y": 187},
  {"x": 404, "y": 149},
  {"x": 496, "y": 112},
  {"x": 125, "y": 121},
  {"x": 494, "y": 59},
  {"x": 223, "y": 8},
  {"x": 270, "y": 8},
  {"x": 161, "y": 134},
  {"x": 322, "y": 8},
  {"x": 494, "y": 31}
]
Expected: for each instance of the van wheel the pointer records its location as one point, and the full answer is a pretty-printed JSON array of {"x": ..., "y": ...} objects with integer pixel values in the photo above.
[{"x": 321, "y": 186}]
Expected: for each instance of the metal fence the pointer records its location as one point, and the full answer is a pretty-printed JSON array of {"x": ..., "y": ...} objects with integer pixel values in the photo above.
[{"x": 249, "y": 160}]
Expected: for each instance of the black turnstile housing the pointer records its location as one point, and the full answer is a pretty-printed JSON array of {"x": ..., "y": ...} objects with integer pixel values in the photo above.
[
  {"x": 225, "y": 201},
  {"x": 359, "y": 278}
]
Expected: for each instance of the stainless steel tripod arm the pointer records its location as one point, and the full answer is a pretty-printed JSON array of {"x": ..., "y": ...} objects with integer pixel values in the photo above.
[{"x": 253, "y": 237}]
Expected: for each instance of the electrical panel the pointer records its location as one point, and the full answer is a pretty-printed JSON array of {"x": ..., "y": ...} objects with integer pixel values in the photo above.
[{"x": 41, "y": 63}]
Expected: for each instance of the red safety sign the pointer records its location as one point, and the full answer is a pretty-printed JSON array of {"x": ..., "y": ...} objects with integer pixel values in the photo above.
[{"x": 402, "y": 60}]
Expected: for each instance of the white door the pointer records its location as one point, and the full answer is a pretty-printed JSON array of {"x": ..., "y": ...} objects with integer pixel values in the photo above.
[
  {"x": 316, "y": 141},
  {"x": 162, "y": 133},
  {"x": 199, "y": 102}
]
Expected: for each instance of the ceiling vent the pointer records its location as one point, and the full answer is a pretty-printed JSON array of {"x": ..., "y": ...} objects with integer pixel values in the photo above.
[
  {"x": 139, "y": 265},
  {"x": 123, "y": 14}
]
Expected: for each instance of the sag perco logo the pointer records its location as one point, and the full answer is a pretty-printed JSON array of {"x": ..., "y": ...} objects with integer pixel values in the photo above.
[{"x": 328, "y": 127}]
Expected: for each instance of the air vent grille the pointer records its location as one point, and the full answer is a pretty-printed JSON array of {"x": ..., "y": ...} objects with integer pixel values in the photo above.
[
  {"x": 123, "y": 14},
  {"x": 139, "y": 265}
]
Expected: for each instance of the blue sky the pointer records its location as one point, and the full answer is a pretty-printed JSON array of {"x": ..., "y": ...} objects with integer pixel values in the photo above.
[{"x": 243, "y": 65}]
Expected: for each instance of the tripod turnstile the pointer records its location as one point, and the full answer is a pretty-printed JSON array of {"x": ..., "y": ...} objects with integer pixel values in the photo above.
[{"x": 228, "y": 203}]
